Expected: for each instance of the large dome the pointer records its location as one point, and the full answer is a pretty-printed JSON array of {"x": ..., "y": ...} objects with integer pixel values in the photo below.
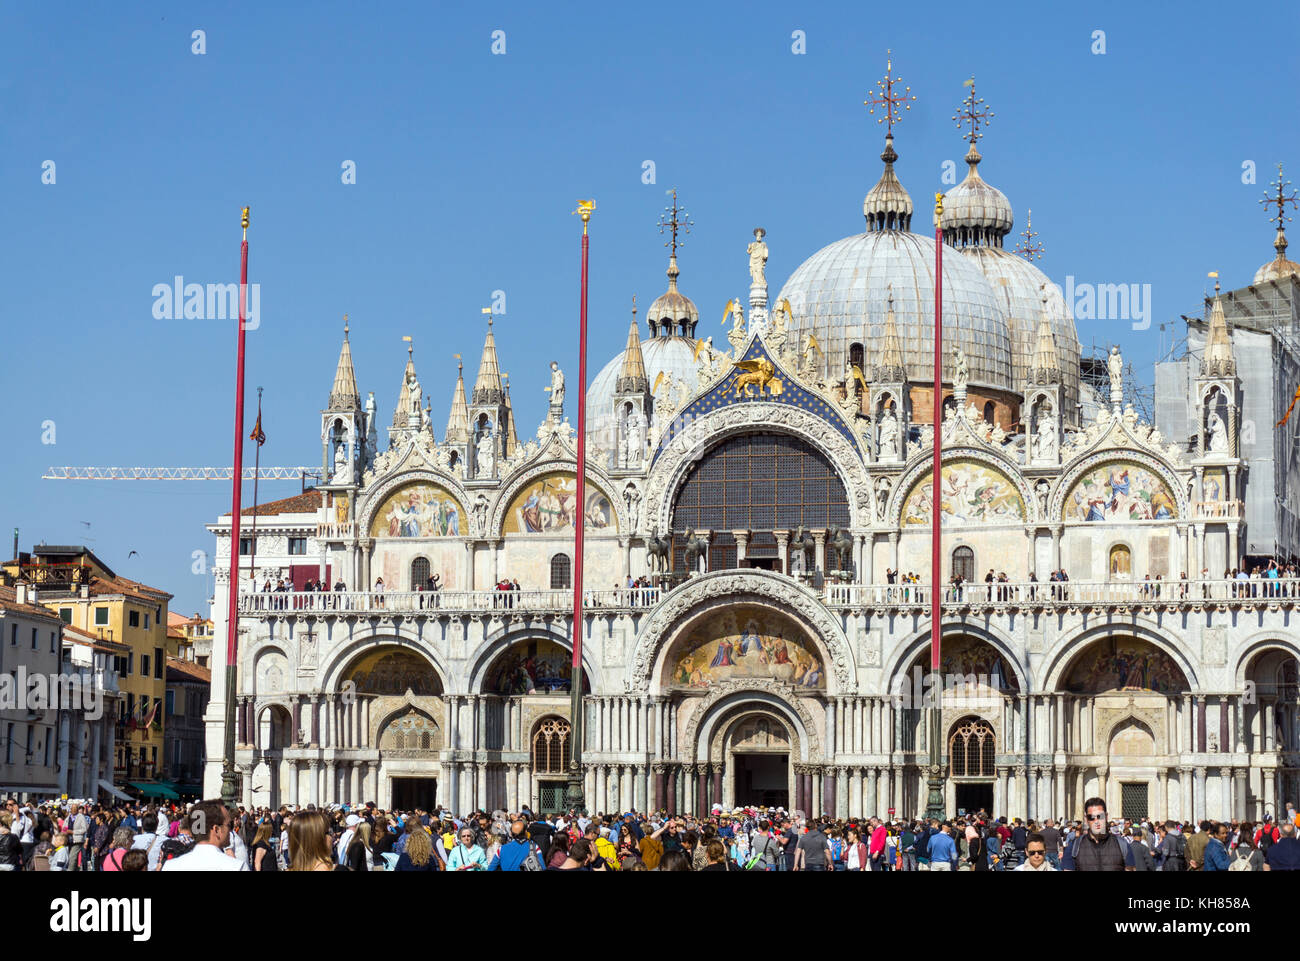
[
  {"x": 663, "y": 354},
  {"x": 1019, "y": 285},
  {"x": 840, "y": 295}
]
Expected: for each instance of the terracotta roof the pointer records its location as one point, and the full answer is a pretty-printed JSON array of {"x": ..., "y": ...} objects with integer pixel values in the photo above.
[
  {"x": 184, "y": 670},
  {"x": 305, "y": 503},
  {"x": 9, "y": 602},
  {"x": 175, "y": 633},
  {"x": 100, "y": 586}
]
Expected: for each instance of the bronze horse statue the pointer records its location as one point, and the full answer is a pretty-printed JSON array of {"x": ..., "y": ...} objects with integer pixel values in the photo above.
[{"x": 658, "y": 548}]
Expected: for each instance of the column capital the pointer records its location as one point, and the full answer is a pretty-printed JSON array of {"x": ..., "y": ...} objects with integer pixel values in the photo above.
[{"x": 1201, "y": 772}]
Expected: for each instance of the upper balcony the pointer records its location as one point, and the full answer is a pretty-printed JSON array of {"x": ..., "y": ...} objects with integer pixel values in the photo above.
[{"x": 1003, "y": 596}]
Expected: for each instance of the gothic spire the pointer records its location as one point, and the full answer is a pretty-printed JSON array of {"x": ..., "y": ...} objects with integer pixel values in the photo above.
[
  {"x": 890, "y": 370},
  {"x": 1218, "y": 360},
  {"x": 344, "y": 395},
  {"x": 487, "y": 388},
  {"x": 403, "y": 407},
  {"x": 458, "y": 422},
  {"x": 632, "y": 377},
  {"x": 1045, "y": 367}
]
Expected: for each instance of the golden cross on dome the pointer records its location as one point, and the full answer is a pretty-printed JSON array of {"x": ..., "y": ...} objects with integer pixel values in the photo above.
[
  {"x": 972, "y": 114},
  {"x": 678, "y": 220},
  {"x": 1029, "y": 248},
  {"x": 1280, "y": 200},
  {"x": 888, "y": 99}
]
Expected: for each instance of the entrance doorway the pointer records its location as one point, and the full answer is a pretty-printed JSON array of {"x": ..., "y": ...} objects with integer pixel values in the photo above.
[
  {"x": 975, "y": 796},
  {"x": 415, "y": 792},
  {"x": 762, "y": 779}
]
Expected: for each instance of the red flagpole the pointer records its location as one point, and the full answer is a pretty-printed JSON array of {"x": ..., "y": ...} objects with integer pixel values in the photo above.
[
  {"x": 575, "y": 799},
  {"x": 232, "y": 614},
  {"x": 936, "y": 563}
]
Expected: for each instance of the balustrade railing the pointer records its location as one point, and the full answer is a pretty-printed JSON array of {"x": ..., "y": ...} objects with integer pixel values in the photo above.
[{"x": 998, "y": 594}]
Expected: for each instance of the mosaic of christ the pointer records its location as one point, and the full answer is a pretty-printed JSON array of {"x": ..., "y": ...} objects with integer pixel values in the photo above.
[{"x": 746, "y": 641}]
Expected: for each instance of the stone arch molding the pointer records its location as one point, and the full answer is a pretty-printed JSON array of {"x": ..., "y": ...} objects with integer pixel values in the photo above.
[
  {"x": 376, "y": 496},
  {"x": 409, "y": 702},
  {"x": 725, "y": 589},
  {"x": 746, "y": 694},
  {"x": 921, "y": 466},
  {"x": 706, "y": 432},
  {"x": 522, "y": 479},
  {"x": 1177, "y": 484},
  {"x": 1255, "y": 645}
]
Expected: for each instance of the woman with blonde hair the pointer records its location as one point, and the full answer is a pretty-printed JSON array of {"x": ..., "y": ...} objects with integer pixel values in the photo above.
[
  {"x": 309, "y": 842},
  {"x": 260, "y": 850},
  {"x": 418, "y": 854},
  {"x": 359, "y": 855}
]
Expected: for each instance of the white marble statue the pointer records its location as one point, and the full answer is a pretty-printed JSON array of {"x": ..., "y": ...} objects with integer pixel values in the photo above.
[
  {"x": 632, "y": 497},
  {"x": 480, "y": 513},
  {"x": 757, "y": 259},
  {"x": 887, "y": 448},
  {"x": 737, "y": 335},
  {"x": 413, "y": 393},
  {"x": 1115, "y": 367},
  {"x": 634, "y": 440},
  {"x": 1045, "y": 439},
  {"x": 960, "y": 373},
  {"x": 485, "y": 456},
  {"x": 557, "y": 385},
  {"x": 1218, "y": 435},
  {"x": 342, "y": 469}
]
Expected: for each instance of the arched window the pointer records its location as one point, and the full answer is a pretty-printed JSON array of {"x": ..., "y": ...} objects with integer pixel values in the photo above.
[
  {"x": 1121, "y": 561},
  {"x": 419, "y": 573},
  {"x": 972, "y": 749},
  {"x": 990, "y": 413},
  {"x": 551, "y": 746},
  {"x": 855, "y": 355},
  {"x": 963, "y": 563},
  {"x": 560, "y": 572}
]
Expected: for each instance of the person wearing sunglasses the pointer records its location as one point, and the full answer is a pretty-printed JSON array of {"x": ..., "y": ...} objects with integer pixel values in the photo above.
[
  {"x": 1035, "y": 855},
  {"x": 466, "y": 855},
  {"x": 1097, "y": 849}
]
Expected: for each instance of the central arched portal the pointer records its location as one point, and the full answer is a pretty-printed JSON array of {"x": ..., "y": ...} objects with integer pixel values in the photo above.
[{"x": 756, "y": 749}]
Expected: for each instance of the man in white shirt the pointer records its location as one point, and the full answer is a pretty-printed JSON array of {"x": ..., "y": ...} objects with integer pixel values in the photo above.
[
  {"x": 210, "y": 821},
  {"x": 351, "y": 823}
]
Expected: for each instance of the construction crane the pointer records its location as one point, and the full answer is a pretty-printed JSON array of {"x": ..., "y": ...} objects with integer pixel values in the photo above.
[{"x": 180, "y": 473}]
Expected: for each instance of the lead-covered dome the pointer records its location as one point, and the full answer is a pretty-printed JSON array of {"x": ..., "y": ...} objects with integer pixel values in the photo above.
[
  {"x": 974, "y": 211},
  {"x": 1020, "y": 286},
  {"x": 840, "y": 295}
]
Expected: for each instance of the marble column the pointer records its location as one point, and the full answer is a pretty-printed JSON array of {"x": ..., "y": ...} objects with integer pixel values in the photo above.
[
  {"x": 1162, "y": 794},
  {"x": 1198, "y": 799},
  {"x": 313, "y": 783},
  {"x": 828, "y": 790},
  {"x": 717, "y": 784},
  {"x": 872, "y": 802},
  {"x": 783, "y": 550}
]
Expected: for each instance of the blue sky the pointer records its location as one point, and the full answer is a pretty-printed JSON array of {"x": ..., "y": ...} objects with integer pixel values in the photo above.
[{"x": 468, "y": 164}]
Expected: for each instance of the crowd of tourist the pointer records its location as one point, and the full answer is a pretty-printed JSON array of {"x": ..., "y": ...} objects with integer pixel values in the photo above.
[{"x": 207, "y": 836}]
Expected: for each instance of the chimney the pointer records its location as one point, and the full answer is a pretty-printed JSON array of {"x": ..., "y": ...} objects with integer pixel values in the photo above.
[{"x": 20, "y": 592}]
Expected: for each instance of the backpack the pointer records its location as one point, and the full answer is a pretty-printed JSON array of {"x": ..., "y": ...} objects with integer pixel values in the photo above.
[
  {"x": 1240, "y": 862},
  {"x": 533, "y": 862}
]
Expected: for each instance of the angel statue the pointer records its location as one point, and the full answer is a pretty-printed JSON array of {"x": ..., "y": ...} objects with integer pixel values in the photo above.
[
  {"x": 737, "y": 335},
  {"x": 960, "y": 375}
]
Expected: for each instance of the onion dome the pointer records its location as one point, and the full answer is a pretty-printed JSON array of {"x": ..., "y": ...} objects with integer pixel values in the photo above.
[
  {"x": 672, "y": 313},
  {"x": 1279, "y": 268},
  {"x": 975, "y": 212},
  {"x": 888, "y": 206}
]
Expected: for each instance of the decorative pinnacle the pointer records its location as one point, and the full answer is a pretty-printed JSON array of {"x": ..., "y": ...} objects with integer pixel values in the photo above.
[
  {"x": 634, "y": 307},
  {"x": 410, "y": 344},
  {"x": 243, "y": 219},
  {"x": 1028, "y": 248},
  {"x": 888, "y": 99},
  {"x": 345, "y": 326},
  {"x": 678, "y": 220},
  {"x": 972, "y": 114},
  {"x": 1280, "y": 200}
]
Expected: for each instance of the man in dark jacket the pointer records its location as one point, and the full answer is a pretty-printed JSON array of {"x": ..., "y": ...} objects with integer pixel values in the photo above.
[
  {"x": 1098, "y": 849},
  {"x": 1172, "y": 850},
  {"x": 1285, "y": 854}
]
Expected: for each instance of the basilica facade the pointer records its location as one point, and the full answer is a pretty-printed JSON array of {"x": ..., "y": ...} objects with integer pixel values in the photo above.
[{"x": 752, "y": 511}]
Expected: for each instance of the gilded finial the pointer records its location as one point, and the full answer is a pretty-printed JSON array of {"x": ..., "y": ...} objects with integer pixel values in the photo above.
[
  {"x": 634, "y": 306},
  {"x": 972, "y": 114},
  {"x": 243, "y": 219},
  {"x": 410, "y": 345},
  {"x": 345, "y": 326},
  {"x": 585, "y": 207}
]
